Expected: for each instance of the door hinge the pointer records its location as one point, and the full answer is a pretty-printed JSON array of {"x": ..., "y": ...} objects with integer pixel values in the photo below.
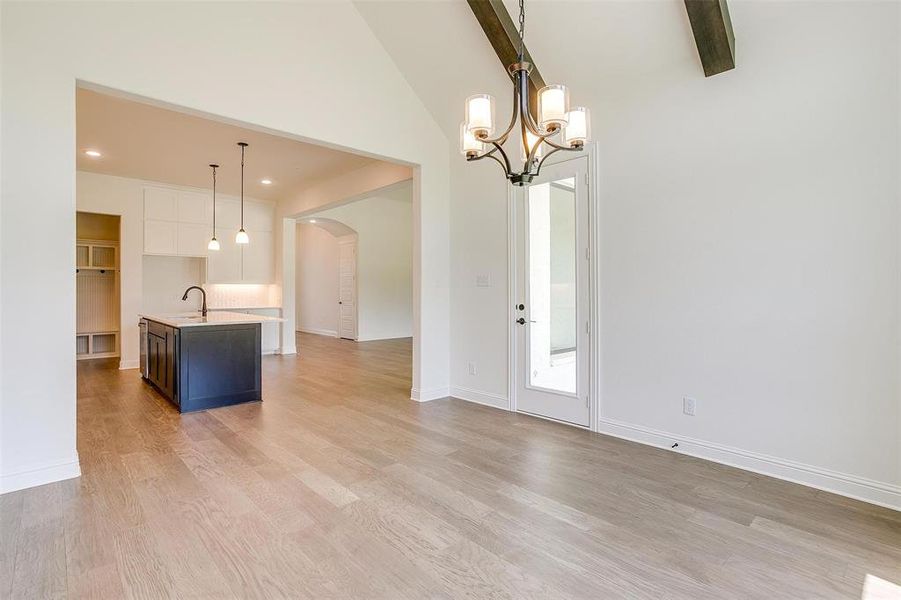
[
  {"x": 587, "y": 253},
  {"x": 586, "y": 402},
  {"x": 587, "y": 330},
  {"x": 586, "y": 178}
]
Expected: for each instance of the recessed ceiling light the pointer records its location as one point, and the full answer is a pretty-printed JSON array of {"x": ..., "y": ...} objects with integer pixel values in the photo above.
[
  {"x": 93, "y": 153},
  {"x": 266, "y": 181},
  {"x": 312, "y": 220}
]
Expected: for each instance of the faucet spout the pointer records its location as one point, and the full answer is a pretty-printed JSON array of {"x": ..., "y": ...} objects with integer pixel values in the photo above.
[{"x": 203, "y": 293}]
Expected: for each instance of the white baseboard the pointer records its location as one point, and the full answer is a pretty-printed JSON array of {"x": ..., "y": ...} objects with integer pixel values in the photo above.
[
  {"x": 291, "y": 350},
  {"x": 479, "y": 397},
  {"x": 328, "y": 332},
  {"x": 426, "y": 395},
  {"x": 129, "y": 364},
  {"x": 41, "y": 475},
  {"x": 852, "y": 486},
  {"x": 383, "y": 337}
]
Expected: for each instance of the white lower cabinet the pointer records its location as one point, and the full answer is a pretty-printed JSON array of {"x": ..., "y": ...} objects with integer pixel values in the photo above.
[{"x": 271, "y": 331}]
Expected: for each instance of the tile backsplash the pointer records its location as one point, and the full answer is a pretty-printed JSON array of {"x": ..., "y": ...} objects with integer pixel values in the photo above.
[{"x": 243, "y": 295}]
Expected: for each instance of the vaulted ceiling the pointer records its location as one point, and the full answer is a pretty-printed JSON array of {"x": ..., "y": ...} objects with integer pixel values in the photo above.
[{"x": 602, "y": 50}]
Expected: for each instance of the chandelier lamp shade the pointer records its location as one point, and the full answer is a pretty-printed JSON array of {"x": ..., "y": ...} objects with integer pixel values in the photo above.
[
  {"x": 214, "y": 243},
  {"x": 241, "y": 237},
  {"x": 559, "y": 127}
]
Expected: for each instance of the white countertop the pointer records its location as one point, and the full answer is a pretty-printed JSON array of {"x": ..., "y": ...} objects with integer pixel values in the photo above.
[{"x": 194, "y": 319}]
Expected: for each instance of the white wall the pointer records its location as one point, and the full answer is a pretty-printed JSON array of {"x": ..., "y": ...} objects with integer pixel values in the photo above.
[
  {"x": 188, "y": 58},
  {"x": 316, "y": 290},
  {"x": 384, "y": 262},
  {"x": 749, "y": 225},
  {"x": 749, "y": 228}
]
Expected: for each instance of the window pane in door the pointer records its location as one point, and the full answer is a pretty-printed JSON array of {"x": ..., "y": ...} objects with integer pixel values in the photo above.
[{"x": 551, "y": 279}]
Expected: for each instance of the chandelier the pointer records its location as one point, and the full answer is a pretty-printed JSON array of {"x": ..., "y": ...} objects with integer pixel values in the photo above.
[{"x": 559, "y": 127}]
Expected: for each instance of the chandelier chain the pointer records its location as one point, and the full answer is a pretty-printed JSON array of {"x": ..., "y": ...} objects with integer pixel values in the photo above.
[{"x": 522, "y": 29}]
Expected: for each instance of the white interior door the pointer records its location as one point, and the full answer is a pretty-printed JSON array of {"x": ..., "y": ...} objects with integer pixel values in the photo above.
[
  {"x": 347, "y": 288},
  {"x": 552, "y": 305}
]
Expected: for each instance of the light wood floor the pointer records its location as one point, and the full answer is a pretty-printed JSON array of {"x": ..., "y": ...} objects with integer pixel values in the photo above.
[{"x": 338, "y": 486}]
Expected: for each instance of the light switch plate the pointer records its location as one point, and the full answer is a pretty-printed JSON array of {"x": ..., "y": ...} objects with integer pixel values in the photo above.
[
  {"x": 688, "y": 406},
  {"x": 483, "y": 280}
]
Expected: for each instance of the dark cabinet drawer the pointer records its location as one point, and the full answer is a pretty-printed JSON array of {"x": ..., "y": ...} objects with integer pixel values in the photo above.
[{"x": 157, "y": 329}]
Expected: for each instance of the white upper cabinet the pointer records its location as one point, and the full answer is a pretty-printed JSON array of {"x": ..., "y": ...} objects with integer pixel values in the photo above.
[
  {"x": 224, "y": 265},
  {"x": 180, "y": 223},
  {"x": 161, "y": 237},
  {"x": 258, "y": 217},
  {"x": 160, "y": 204},
  {"x": 193, "y": 239},
  {"x": 228, "y": 216},
  {"x": 259, "y": 257},
  {"x": 194, "y": 207}
]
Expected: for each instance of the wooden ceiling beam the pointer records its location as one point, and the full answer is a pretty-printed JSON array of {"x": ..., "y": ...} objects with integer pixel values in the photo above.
[
  {"x": 503, "y": 35},
  {"x": 712, "y": 28}
]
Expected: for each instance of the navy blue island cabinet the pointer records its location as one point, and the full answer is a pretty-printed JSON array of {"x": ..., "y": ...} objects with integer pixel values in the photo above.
[{"x": 199, "y": 364}]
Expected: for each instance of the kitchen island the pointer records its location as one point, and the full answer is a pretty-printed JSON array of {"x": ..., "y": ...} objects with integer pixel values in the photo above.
[{"x": 201, "y": 362}]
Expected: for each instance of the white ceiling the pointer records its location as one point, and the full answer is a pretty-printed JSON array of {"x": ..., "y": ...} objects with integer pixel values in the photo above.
[{"x": 147, "y": 142}]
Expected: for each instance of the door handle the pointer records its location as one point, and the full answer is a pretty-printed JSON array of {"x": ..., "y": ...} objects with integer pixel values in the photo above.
[{"x": 521, "y": 321}]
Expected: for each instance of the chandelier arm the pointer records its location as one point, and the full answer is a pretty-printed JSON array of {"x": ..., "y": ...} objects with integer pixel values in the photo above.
[
  {"x": 501, "y": 163},
  {"x": 503, "y": 137},
  {"x": 528, "y": 121},
  {"x": 546, "y": 156},
  {"x": 556, "y": 145},
  {"x": 530, "y": 161},
  {"x": 480, "y": 157},
  {"x": 505, "y": 163},
  {"x": 534, "y": 151}
]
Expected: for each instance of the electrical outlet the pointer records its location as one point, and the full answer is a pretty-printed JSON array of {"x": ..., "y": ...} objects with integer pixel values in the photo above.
[
  {"x": 472, "y": 368},
  {"x": 688, "y": 406}
]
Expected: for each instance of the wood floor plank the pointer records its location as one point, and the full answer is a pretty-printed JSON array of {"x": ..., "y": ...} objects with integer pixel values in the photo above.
[{"x": 338, "y": 486}]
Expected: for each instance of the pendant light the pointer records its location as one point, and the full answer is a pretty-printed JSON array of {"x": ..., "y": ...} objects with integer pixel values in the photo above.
[
  {"x": 242, "y": 237},
  {"x": 214, "y": 243}
]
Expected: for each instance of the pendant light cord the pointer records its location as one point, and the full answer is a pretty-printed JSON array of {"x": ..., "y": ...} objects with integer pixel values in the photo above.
[
  {"x": 242, "y": 187},
  {"x": 522, "y": 30},
  {"x": 214, "y": 201}
]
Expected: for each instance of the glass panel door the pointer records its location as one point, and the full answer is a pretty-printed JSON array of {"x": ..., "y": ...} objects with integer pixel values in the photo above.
[
  {"x": 552, "y": 328},
  {"x": 552, "y": 287}
]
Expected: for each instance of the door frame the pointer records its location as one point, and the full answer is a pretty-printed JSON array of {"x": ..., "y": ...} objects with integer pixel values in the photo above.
[
  {"x": 350, "y": 239},
  {"x": 594, "y": 280}
]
